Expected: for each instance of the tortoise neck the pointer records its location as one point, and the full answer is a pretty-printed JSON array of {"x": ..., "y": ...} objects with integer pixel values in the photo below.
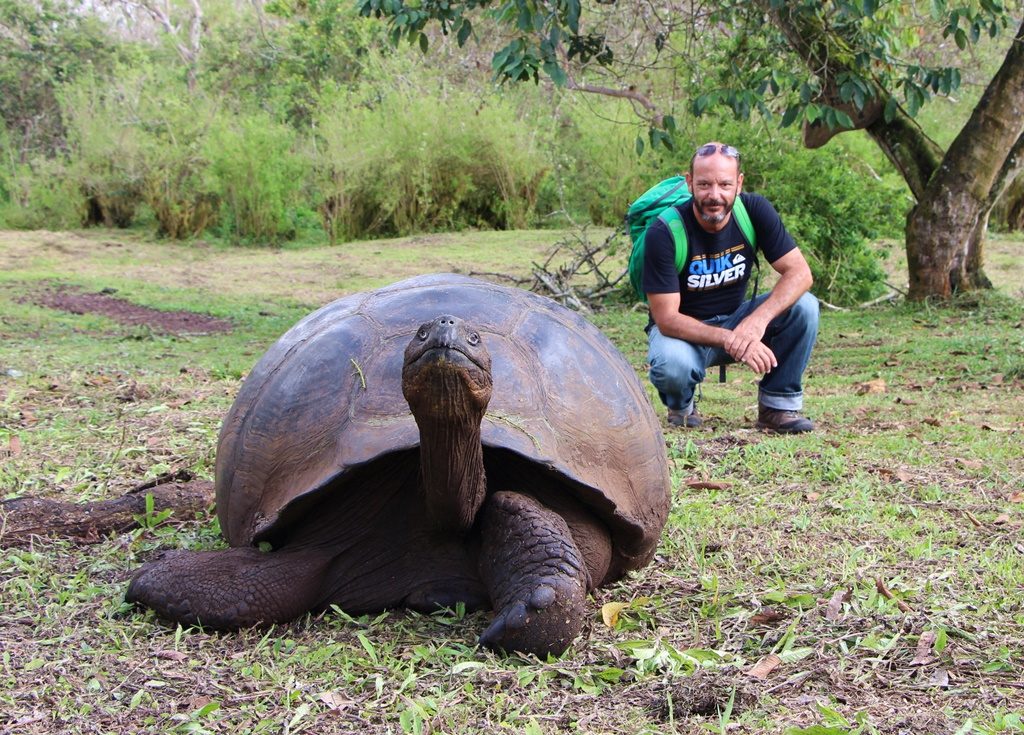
[{"x": 452, "y": 472}]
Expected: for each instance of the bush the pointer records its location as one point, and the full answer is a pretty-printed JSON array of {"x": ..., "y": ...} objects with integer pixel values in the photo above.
[
  {"x": 103, "y": 139},
  {"x": 420, "y": 157},
  {"x": 259, "y": 176},
  {"x": 178, "y": 185},
  {"x": 42, "y": 196}
]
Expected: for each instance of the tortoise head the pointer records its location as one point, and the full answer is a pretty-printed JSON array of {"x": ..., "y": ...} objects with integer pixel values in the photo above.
[{"x": 446, "y": 379}]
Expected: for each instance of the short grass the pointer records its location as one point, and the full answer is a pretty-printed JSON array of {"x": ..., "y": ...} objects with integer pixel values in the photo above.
[{"x": 880, "y": 559}]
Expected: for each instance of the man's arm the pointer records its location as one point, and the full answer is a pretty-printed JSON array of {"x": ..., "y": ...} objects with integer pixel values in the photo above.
[{"x": 794, "y": 281}]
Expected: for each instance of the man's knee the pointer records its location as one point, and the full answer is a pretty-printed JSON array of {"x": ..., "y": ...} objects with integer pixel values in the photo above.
[{"x": 804, "y": 313}]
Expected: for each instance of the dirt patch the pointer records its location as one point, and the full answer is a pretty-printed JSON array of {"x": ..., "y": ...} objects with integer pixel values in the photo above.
[{"x": 68, "y": 299}]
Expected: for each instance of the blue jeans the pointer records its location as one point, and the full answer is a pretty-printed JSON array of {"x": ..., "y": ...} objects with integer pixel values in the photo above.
[{"x": 678, "y": 366}]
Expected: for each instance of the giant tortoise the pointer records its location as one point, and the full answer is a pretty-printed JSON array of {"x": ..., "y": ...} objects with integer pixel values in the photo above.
[{"x": 437, "y": 441}]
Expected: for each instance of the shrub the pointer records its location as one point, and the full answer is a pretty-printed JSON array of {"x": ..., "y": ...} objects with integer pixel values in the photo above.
[
  {"x": 178, "y": 185},
  {"x": 259, "y": 175},
  {"x": 41, "y": 195},
  {"x": 419, "y": 157},
  {"x": 101, "y": 122}
]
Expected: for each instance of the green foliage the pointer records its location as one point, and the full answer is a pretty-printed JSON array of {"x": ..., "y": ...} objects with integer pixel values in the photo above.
[
  {"x": 833, "y": 208},
  {"x": 41, "y": 195},
  {"x": 258, "y": 174},
  {"x": 45, "y": 44},
  {"x": 384, "y": 169},
  {"x": 105, "y": 144}
]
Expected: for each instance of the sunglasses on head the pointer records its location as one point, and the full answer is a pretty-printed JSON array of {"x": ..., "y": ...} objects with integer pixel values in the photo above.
[{"x": 710, "y": 149}]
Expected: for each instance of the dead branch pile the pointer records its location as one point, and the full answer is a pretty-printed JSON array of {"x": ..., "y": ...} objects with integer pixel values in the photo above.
[{"x": 577, "y": 272}]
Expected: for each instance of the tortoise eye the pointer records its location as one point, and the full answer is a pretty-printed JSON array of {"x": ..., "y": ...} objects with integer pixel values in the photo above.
[
  {"x": 423, "y": 333},
  {"x": 474, "y": 338}
]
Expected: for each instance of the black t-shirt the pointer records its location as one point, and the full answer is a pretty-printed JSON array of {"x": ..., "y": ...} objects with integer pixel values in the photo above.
[{"x": 714, "y": 278}]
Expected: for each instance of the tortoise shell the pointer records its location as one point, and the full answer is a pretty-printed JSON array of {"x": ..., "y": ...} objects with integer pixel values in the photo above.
[{"x": 326, "y": 399}]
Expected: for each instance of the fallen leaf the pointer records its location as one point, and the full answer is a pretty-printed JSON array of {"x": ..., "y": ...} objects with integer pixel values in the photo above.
[
  {"x": 904, "y": 476},
  {"x": 765, "y": 666},
  {"x": 1002, "y": 519},
  {"x": 877, "y": 385},
  {"x": 1000, "y": 429},
  {"x": 707, "y": 485},
  {"x": 940, "y": 678},
  {"x": 610, "y": 612},
  {"x": 997, "y": 379},
  {"x": 835, "y": 604},
  {"x": 767, "y": 615},
  {"x": 1017, "y": 497},
  {"x": 923, "y": 655},
  {"x": 335, "y": 700},
  {"x": 811, "y": 497},
  {"x": 171, "y": 655},
  {"x": 931, "y": 421},
  {"x": 970, "y": 464},
  {"x": 13, "y": 445},
  {"x": 906, "y": 401}
]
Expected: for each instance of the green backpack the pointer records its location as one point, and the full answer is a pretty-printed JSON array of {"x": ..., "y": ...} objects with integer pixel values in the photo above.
[{"x": 660, "y": 201}]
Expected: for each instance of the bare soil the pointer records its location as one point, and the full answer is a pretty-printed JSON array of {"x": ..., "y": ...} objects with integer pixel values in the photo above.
[{"x": 65, "y": 298}]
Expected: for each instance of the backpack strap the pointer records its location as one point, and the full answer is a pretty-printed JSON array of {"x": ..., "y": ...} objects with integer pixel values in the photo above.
[
  {"x": 674, "y": 222},
  {"x": 739, "y": 209}
]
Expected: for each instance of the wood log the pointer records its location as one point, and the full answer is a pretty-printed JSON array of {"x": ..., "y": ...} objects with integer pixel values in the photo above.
[{"x": 24, "y": 519}]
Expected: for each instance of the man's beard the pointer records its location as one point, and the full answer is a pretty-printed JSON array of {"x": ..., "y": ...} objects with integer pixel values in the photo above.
[{"x": 713, "y": 219}]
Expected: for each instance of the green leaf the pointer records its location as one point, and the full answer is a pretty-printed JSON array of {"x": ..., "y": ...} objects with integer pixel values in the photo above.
[
  {"x": 843, "y": 120},
  {"x": 465, "y": 31},
  {"x": 639, "y": 145},
  {"x": 891, "y": 107},
  {"x": 790, "y": 116},
  {"x": 424, "y": 42}
]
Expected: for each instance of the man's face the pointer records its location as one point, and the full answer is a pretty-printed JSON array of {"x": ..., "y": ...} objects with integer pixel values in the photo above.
[{"x": 715, "y": 182}]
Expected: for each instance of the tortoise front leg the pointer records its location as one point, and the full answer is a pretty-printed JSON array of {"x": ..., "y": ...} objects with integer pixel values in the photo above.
[
  {"x": 230, "y": 589},
  {"x": 536, "y": 576}
]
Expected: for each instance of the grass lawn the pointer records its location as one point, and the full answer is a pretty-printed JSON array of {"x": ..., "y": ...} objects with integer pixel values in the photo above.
[{"x": 866, "y": 578}]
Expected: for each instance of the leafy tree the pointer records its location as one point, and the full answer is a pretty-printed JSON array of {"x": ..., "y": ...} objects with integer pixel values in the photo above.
[
  {"x": 43, "y": 45},
  {"x": 831, "y": 66}
]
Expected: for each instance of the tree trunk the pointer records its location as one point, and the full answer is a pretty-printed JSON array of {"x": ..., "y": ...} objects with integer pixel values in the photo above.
[
  {"x": 946, "y": 230},
  {"x": 24, "y": 519}
]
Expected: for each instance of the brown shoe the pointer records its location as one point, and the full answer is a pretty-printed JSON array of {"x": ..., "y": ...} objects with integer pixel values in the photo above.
[
  {"x": 681, "y": 417},
  {"x": 782, "y": 422}
]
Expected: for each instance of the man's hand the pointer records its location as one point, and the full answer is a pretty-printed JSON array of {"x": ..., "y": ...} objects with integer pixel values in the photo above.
[{"x": 744, "y": 345}]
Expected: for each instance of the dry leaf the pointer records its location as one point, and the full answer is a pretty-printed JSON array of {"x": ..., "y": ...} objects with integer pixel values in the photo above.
[
  {"x": 767, "y": 615},
  {"x": 171, "y": 655},
  {"x": 970, "y": 464},
  {"x": 940, "y": 678},
  {"x": 1002, "y": 519},
  {"x": 877, "y": 385},
  {"x": 835, "y": 604},
  {"x": 1017, "y": 497},
  {"x": 923, "y": 655},
  {"x": 931, "y": 421},
  {"x": 811, "y": 497},
  {"x": 904, "y": 476},
  {"x": 610, "y": 612},
  {"x": 765, "y": 666},
  {"x": 335, "y": 700},
  {"x": 13, "y": 447},
  {"x": 906, "y": 401},
  {"x": 708, "y": 485}
]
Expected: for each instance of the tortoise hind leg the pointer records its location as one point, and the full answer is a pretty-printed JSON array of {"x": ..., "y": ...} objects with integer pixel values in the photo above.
[
  {"x": 536, "y": 574},
  {"x": 230, "y": 589}
]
